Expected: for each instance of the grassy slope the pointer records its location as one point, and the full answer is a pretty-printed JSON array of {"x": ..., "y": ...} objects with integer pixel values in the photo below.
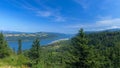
[{"x": 14, "y": 61}]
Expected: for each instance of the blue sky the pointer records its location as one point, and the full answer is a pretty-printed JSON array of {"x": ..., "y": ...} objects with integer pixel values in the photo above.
[{"x": 63, "y": 16}]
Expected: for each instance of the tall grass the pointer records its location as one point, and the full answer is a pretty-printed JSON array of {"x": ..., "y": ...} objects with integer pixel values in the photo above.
[{"x": 15, "y": 61}]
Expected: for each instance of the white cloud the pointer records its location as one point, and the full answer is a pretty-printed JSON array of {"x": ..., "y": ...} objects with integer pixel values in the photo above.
[
  {"x": 104, "y": 17},
  {"x": 56, "y": 17},
  {"x": 83, "y": 3},
  {"x": 112, "y": 27},
  {"x": 110, "y": 22},
  {"x": 98, "y": 25},
  {"x": 60, "y": 19},
  {"x": 44, "y": 13}
]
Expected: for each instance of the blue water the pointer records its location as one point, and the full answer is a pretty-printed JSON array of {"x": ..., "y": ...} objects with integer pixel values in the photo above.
[
  {"x": 28, "y": 44},
  {"x": 25, "y": 45}
]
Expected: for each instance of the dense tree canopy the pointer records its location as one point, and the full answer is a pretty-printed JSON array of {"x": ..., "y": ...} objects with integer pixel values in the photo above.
[
  {"x": 4, "y": 48},
  {"x": 85, "y": 50},
  {"x": 34, "y": 53}
]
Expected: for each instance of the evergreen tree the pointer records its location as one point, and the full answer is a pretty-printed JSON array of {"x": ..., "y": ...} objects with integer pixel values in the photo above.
[
  {"x": 34, "y": 53},
  {"x": 4, "y": 49},
  {"x": 19, "y": 46},
  {"x": 81, "y": 50}
]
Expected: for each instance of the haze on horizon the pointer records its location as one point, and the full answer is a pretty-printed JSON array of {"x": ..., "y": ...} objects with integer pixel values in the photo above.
[{"x": 66, "y": 16}]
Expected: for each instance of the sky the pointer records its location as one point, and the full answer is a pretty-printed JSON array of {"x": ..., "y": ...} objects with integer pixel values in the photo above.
[{"x": 63, "y": 16}]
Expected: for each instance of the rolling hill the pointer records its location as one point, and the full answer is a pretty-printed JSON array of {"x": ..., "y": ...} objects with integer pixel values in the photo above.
[{"x": 26, "y": 36}]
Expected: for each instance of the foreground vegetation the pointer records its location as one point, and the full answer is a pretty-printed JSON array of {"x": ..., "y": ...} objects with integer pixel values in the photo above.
[{"x": 94, "y": 50}]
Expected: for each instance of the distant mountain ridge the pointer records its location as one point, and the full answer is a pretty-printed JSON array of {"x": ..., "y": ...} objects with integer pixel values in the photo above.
[
  {"x": 12, "y": 32},
  {"x": 26, "y": 36},
  {"x": 107, "y": 30},
  {"x": 17, "y": 32},
  {"x": 112, "y": 30}
]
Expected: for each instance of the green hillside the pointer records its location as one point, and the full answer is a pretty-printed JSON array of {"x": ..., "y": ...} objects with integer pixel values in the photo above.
[
  {"x": 92, "y": 50},
  {"x": 13, "y": 36}
]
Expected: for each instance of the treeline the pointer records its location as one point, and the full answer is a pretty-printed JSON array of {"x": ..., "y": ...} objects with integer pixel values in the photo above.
[
  {"x": 94, "y": 50},
  {"x": 4, "y": 48},
  {"x": 97, "y": 50}
]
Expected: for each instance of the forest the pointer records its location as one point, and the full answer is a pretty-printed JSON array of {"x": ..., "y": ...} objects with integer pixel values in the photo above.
[{"x": 85, "y": 50}]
